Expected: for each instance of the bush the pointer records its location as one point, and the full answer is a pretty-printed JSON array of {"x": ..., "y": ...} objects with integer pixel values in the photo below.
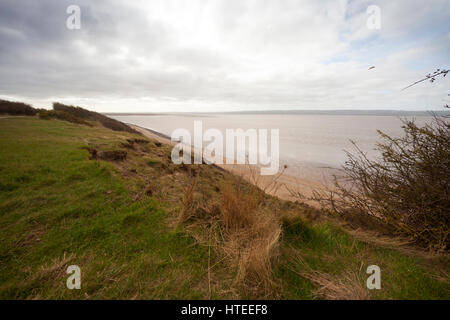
[
  {"x": 406, "y": 191},
  {"x": 46, "y": 114},
  {"x": 93, "y": 116},
  {"x": 62, "y": 115},
  {"x": 16, "y": 108}
]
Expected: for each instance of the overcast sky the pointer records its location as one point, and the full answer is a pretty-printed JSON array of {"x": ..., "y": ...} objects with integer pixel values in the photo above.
[{"x": 221, "y": 55}]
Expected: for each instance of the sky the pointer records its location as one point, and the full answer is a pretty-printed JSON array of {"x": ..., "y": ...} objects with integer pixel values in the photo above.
[{"x": 225, "y": 55}]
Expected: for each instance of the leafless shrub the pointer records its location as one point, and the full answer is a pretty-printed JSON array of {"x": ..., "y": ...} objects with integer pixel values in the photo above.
[
  {"x": 268, "y": 184},
  {"x": 405, "y": 192}
]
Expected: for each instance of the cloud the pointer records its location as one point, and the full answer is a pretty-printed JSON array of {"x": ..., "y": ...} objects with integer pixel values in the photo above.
[{"x": 217, "y": 55}]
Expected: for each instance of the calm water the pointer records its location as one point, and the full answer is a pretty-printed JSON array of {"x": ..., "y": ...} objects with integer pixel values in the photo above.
[{"x": 311, "y": 145}]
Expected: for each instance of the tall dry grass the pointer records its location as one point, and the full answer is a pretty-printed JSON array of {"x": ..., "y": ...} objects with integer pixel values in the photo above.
[
  {"x": 189, "y": 205},
  {"x": 346, "y": 286},
  {"x": 245, "y": 237},
  {"x": 251, "y": 237}
]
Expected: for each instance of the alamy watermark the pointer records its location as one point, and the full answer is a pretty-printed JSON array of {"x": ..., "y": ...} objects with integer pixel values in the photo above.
[
  {"x": 374, "y": 280},
  {"x": 241, "y": 147},
  {"x": 74, "y": 280},
  {"x": 374, "y": 20},
  {"x": 73, "y": 21}
]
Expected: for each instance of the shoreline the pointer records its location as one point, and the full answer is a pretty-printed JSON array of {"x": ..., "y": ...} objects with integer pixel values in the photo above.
[{"x": 280, "y": 185}]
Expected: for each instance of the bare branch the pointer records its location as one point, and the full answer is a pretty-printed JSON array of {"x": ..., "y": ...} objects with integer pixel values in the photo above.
[{"x": 431, "y": 77}]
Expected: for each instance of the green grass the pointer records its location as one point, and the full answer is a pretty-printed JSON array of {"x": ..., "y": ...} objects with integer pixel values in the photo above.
[
  {"x": 326, "y": 248},
  {"x": 58, "y": 208},
  {"x": 54, "y": 202}
]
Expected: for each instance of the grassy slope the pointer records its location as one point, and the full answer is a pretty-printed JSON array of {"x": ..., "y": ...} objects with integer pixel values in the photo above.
[
  {"x": 56, "y": 202},
  {"x": 59, "y": 208}
]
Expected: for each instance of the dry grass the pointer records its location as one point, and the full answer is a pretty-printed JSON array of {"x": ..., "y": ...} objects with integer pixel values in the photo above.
[
  {"x": 348, "y": 286},
  {"x": 255, "y": 265},
  {"x": 251, "y": 238},
  {"x": 189, "y": 205},
  {"x": 55, "y": 267},
  {"x": 238, "y": 207},
  {"x": 244, "y": 236}
]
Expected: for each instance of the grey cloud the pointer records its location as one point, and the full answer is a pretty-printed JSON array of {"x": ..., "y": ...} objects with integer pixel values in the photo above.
[{"x": 245, "y": 53}]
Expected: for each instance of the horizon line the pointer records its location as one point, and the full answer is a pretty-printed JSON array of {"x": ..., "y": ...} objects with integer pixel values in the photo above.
[{"x": 287, "y": 111}]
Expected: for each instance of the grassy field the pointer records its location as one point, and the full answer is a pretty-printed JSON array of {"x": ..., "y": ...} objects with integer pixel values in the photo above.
[{"x": 143, "y": 228}]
